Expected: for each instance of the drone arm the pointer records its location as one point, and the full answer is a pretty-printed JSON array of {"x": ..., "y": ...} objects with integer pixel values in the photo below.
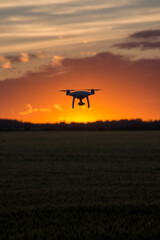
[
  {"x": 73, "y": 102},
  {"x": 88, "y": 102}
]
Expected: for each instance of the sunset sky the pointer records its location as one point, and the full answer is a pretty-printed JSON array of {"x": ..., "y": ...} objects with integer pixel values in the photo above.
[{"x": 48, "y": 45}]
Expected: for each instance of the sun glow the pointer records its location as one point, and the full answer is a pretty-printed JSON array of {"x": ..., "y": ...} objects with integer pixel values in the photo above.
[
  {"x": 79, "y": 119},
  {"x": 79, "y": 115}
]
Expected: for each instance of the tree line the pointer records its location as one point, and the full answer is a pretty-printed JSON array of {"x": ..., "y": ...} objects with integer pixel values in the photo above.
[{"x": 124, "y": 124}]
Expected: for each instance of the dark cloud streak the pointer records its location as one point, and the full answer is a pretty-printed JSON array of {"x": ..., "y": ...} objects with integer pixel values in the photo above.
[
  {"x": 149, "y": 34},
  {"x": 135, "y": 40},
  {"x": 141, "y": 45},
  {"x": 17, "y": 58}
]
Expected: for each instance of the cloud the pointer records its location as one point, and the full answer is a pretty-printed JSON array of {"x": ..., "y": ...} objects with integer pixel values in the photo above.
[
  {"x": 7, "y": 65},
  {"x": 24, "y": 57},
  {"x": 41, "y": 54},
  {"x": 88, "y": 53},
  {"x": 31, "y": 110},
  {"x": 19, "y": 3},
  {"x": 141, "y": 45},
  {"x": 57, "y": 61},
  {"x": 82, "y": 70},
  {"x": 13, "y": 59},
  {"x": 2, "y": 59},
  {"x": 149, "y": 34},
  {"x": 57, "y": 106},
  {"x": 29, "y": 24},
  {"x": 135, "y": 40},
  {"x": 58, "y": 66}
]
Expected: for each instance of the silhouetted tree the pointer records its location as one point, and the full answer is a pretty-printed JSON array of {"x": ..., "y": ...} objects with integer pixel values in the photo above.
[{"x": 124, "y": 124}]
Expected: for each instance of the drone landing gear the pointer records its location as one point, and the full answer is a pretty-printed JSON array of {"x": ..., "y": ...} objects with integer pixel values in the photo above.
[
  {"x": 88, "y": 102},
  {"x": 73, "y": 102}
]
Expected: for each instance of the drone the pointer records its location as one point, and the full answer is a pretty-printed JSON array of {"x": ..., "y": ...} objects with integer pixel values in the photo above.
[{"x": 80, "y": 95}]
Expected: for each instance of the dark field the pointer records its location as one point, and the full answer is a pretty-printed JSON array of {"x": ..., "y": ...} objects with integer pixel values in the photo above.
[{"x": 79, "y": 185}]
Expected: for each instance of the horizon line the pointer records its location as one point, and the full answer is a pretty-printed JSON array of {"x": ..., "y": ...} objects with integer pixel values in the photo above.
[{"x": 65, "y": 122}]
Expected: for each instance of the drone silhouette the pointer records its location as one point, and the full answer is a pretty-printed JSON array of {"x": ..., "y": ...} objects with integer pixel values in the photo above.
[{"x": 80, "y": 95}]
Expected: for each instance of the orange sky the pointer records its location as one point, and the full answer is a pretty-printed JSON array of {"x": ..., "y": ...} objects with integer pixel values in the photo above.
[
  {"x": 131, "y": 90},
  {"x": 51, "y": 45}
]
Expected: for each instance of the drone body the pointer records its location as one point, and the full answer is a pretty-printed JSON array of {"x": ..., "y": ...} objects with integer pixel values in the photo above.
[{"x": 80, "y": 95}]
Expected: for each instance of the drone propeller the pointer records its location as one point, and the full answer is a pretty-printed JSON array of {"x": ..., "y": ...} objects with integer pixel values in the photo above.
[
  {"x": 97, "y": 89},
  {"x": 67, "y": 90}
]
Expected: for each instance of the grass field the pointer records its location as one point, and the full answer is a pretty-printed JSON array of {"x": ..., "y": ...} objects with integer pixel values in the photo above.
[{"x": 79, "y": 185}]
